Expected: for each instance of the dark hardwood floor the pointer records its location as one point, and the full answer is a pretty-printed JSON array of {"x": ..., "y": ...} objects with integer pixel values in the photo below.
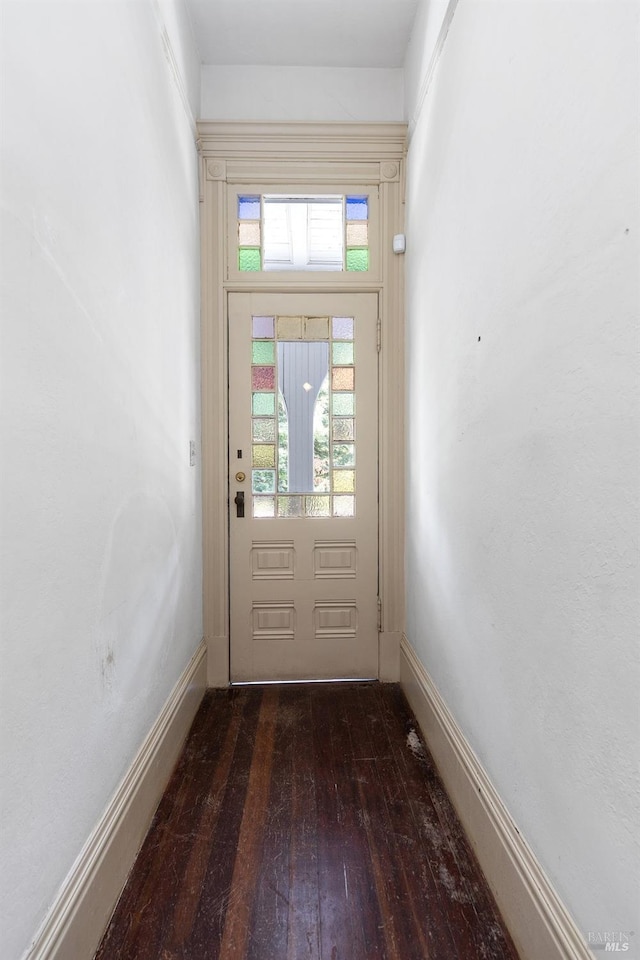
[{"x": 305, "y": 822}]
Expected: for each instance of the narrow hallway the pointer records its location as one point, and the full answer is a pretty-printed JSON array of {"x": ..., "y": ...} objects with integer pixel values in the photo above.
[{"x": 305, "y": 821}]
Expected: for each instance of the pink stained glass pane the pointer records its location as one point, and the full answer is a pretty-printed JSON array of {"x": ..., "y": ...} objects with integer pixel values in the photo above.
[
  {"x": 344, "y": 506},
  {"x": 342, "y": 328},
  {"x": 357, "y": 235},
  {"x": 263, "y": 328},
  {"x": 343, "y": 378},
  {"x": 248, "y": 234},
  {"x": 263, "y": 378}
]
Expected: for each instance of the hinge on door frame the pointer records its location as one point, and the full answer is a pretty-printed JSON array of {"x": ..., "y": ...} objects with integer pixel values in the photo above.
[
  {"x": 379, "y": 614},
  {"x": 379, "y": 334}
]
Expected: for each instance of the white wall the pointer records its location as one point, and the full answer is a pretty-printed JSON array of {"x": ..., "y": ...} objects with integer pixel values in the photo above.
[
  {"x": 522, "y": 292},
  {"x": 301, "y": 93},
  {"x": 101, "y": 570}
]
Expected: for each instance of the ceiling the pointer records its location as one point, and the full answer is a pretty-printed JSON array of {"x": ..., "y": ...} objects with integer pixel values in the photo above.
[{"x": 320, "y": 33}]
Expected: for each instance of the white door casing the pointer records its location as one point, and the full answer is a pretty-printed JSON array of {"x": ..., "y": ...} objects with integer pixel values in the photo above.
[{"x": 304, "y": 549}]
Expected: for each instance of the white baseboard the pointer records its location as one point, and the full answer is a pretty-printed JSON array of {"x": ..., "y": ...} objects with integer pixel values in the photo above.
[
  {"x": 533, "y": 912},
  {"x": 74, "y": 926}
]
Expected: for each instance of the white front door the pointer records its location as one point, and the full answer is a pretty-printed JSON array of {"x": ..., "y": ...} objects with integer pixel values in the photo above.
[{"x": 303, "y": 495}]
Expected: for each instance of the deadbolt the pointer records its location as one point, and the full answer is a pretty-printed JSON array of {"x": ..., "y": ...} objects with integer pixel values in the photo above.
[{"x": 241, "y": 477}]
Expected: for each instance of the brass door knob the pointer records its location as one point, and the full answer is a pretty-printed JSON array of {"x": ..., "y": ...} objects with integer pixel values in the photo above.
[{"x": 241, "y": 477}]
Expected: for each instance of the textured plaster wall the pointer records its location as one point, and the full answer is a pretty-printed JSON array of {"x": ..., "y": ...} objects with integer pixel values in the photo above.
[
  {"x": 301, "y": 93},
  {"x": 100, "y": 509},
  {"x": 522, "y": 392}
]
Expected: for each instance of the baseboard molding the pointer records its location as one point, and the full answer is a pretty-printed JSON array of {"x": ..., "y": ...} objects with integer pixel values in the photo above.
[
  {"x": 540, "y": 925},
  {"x": 81, "y": 911}
]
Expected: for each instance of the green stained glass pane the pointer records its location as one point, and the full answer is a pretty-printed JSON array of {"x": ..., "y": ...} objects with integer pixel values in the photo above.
[
  {"x": 249, "y": 234},
  {"x": 263, "y": 351},
  {"x": 318, "y": 506},
  {"x": 343, "y": 404},
  {"x": 264, "y": 506},
  {"x": 249, "y": 259},
  {"x": 357, "y": 235},
  {"x": 289, "y": 506},
  {"x": 343, "y": 378},
  {"x": 344, "y": 454},
  {"x": 342, "y": 353},
  {"x": 343, "y": 428},
  {"x": 263, "y": 404},
  {"x": 342, "y": 328},
  {"x": 263, "y": 481},
  {"x": 263, "y": 455},
  {"x": 263, "y": 378},
  {"x": 264, "y": 430},
  {"x": 263, "y": 328},
  {"x": 344, "y": 506},
  {"x": 344, "y": 481},
  {"x": 357, "y": 259}
]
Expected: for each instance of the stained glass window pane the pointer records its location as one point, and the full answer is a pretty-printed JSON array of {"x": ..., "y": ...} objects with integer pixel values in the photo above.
[
  {"x": 343, "y": 404},
  {"x": 344, "y": 481},
  {"x": 263, "y": 481},
  {"x": 263, "y": 328},
  {"x": 263, "y": 404},
  {"x": 264, "y": 430},
  {"x": 357, "y": 208},
  {"x": 289, "y": 328},
  {"x": 344, "y": 506},
  {"x": 343, "y": 378},
  {"x": 358, "y": 259},
  {"x": 263, "y": 352},
  {"x": 249, "y": 208},
  {"x": 263, "y": 378},
  {"x": 289, "y": 506},
  {"x": 249, "y": 234},
  {"x": 318, "y": 506},
  {"x": 344, "y": 454},
  {"x": 343, "y": 428},
  {"x": 342, "y": 353},
  {"x": 357, "y": 235},
  {"x": 317, "y": 328},
  {"x": 249, "y": 259},
  {"x": 266, "y": 506},
  {"x": 264, "y": 455},
  {"x": 342, "y": 328}
]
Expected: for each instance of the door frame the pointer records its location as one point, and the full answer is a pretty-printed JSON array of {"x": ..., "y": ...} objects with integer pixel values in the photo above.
[{"x": 332, "y": 156}]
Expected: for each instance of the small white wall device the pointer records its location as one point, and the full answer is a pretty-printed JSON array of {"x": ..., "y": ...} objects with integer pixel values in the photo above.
[{"x": 399, "y": 243}]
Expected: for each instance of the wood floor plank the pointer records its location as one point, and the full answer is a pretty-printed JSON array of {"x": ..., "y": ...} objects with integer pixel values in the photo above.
[{"x": 306, "y": 822}]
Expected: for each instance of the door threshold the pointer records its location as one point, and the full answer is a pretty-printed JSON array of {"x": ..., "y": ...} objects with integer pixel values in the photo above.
[{"x": 271, "y": 683}]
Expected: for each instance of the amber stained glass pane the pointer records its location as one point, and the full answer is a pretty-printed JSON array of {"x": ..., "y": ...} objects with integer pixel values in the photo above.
[
  {"x": 344, "y": 481},
  {"x": 249, "y": 234},
  {"x": 317, "y": 328},
  {"x": 343, "y": 378},
  {"x": 263, "y": 455},
  {"x": 289, "y": 328},
  {"x": 357, "y": 235}
]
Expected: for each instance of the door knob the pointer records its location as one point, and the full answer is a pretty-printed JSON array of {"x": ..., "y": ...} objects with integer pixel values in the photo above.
[{"x": 239, "y": 502}]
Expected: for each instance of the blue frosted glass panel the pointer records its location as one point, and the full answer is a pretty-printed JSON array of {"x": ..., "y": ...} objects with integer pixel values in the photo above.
[
  {"x": 357, "y": 208},
  {"x": 249, "y": 208}
]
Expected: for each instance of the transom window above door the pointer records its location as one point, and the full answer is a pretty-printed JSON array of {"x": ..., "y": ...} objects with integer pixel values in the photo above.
[{"x": 323, "y": 233}]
